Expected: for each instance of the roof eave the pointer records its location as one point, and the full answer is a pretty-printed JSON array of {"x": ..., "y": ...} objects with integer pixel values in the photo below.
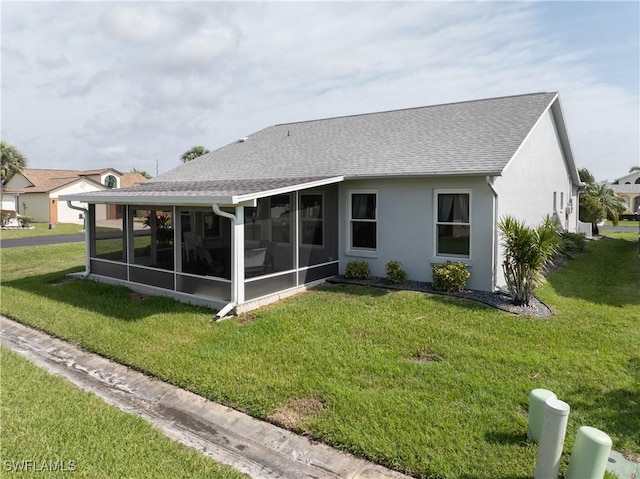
[{"x": 123, "y": 198}]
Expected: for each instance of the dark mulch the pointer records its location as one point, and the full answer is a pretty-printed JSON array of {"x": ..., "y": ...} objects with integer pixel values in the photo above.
[{"x": 498, "y": 300}]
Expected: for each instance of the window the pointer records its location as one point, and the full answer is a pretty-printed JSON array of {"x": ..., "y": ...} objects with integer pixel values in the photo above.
[
  {"x": 281, "y": 218},
  {"x": 311, "y": 231},
  {"x": 453, "y": 227},
  {"x": 110, "y": 181},
  {"x": 364, "y": 221}
]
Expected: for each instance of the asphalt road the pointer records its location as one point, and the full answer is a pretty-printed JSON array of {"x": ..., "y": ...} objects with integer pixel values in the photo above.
[{"x": 40, "y": 240}]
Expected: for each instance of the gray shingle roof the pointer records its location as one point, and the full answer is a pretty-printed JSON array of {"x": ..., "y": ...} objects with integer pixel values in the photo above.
[
  {"x": 202, "y": 192},
  {"x": 470, "y": 138}
]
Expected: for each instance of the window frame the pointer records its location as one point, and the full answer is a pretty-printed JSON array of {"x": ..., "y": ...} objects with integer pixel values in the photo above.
[
  {"x": 355, "y": 250},
  {"x": 436, "y": 223}
]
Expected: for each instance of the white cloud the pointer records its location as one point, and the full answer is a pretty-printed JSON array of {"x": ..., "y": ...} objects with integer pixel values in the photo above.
[{"x": 155, "y": 78}]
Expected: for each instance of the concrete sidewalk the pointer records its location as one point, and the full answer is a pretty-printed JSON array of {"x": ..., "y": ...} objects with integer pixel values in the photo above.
[{"x": 253, "y": 447}]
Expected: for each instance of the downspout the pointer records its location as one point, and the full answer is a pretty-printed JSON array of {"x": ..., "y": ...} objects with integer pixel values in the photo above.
[
  {"x": 86, "y": 237},
  {"x": 490, "y": 180},
  {"x": 234, "y": 273}
]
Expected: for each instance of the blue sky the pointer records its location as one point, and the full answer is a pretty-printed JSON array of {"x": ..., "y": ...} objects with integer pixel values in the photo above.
[{"x": 122, "y": 84}]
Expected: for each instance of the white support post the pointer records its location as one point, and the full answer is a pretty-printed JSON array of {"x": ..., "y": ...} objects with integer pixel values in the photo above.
[
  {"x": 237, "y": 255},
  {"x": 554, "y": 429},
  {"x": 537, "y": 406}
]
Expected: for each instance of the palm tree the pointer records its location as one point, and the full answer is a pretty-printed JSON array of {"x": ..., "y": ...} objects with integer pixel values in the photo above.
[
  {"x": 141, "y": 172},
  {"x": 194, "y": 153},
  {"x": 527, "y": 251},
  {"x": 598, "y": 201},
  {"x": 613, "y": 205},
  {"x": 11, "y": 162},
  {"x": 586, "y": 176}
]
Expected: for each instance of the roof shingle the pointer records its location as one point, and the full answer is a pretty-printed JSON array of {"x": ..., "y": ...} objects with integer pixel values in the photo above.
[{"x": 471, "y": 138}]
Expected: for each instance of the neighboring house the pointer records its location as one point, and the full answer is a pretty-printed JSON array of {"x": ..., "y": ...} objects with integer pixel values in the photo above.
[
  {"x": 294, "y": 203},
  {"x": 628, "y": 188},
  {"x": 37, "y": 191},
  {"x": 9, "y": 198}
]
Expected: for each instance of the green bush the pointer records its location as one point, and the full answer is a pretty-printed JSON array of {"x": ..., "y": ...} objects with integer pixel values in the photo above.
[
  {"x": 25, "y": 221},
  {"x": 5, "y": 216},
  {"x": 357, "y": 269},
  {"x": 450, "y": 276},
  {"x": 571, "y": 243},
  {"x": 395, "y": 274}
]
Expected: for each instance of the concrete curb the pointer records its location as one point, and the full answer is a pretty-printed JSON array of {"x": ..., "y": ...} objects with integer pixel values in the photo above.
[{"x": 253, "y": 447}]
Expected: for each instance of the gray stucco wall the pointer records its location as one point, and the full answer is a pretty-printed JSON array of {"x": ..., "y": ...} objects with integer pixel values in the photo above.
[
  {"x": 406, "y": 228},
  {"x": 537, "y": 171}
]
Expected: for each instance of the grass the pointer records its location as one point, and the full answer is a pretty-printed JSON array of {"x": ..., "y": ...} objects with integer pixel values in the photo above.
[
  {"x": 629, "y": 224},
  {"x": 47, "y": 420},
  {"x": 42, "y": 229},
  {"x": 429, "y": 385}
]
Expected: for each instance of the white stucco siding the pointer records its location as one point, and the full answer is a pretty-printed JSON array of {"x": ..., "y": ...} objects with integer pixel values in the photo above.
[
  {"x": 69, "y": 215},
  {"x": 536, "y": 175},
  {"x": 18, "y": 181},
  {"x": 35, "y": 205},
  {"x": 537, "y": 172},
  {"x": 406, "y": 226}
]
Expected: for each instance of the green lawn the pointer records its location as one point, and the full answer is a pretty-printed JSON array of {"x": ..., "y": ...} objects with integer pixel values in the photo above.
[
  {"x": 630, "y": 224},
  {"x": 42, "y": 229},
  {"x": 47, "y": 420},
  {"x": 426, "y": 384}
]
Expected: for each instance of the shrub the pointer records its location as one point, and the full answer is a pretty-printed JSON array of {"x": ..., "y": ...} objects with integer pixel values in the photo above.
[
  {"x": 527, "y": 251},
  {"x": 25, "y": 220},
  {"x": 5, "y": 216},
  {"x": 450, "y": 276},
  {"x": 571, "y": 243},
  {"x": 395, "y": 274},
  {"x": 357, "y": 269}
]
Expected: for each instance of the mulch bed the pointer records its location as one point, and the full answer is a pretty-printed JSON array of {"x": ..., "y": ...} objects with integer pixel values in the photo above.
[{"x": 498, "y": 300}]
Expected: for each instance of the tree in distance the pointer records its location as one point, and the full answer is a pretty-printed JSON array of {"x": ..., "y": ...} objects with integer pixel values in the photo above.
[{"x": 194, "y": 153}]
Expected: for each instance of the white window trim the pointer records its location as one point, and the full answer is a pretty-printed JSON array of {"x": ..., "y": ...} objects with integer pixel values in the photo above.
[
  {"x": 303, "y": 220},
  {"x": 452, "y": 257},
  {"x": 364, "y": 252}
]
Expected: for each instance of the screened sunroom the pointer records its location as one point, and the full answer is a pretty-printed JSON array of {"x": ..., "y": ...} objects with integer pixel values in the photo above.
[{"x": 225, "y": 251}]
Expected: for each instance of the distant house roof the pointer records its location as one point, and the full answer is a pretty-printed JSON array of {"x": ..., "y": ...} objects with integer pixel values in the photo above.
[
  {"x": 625, "y": 188},
  {"x": 46, "y": 180},
  {"x": 131, "y": 179},
  {"x": 469, "y": 138}
]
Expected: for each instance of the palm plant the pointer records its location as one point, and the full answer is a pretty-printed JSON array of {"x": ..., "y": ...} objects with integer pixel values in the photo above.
[
  {"x": 527, "y": 251},
  {"x": 613, "y": 205},
  {"x": 11, "y": 162},
  {"x": 598, "y": 201},
  {"x": 193, "y": 153}
]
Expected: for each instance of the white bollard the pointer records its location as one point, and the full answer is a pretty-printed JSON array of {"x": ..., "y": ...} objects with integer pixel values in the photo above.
[
  {"x": 537, "y": 399},
  {"x": 590, "y": 454},
  {"x": 554, "y": 428}
]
